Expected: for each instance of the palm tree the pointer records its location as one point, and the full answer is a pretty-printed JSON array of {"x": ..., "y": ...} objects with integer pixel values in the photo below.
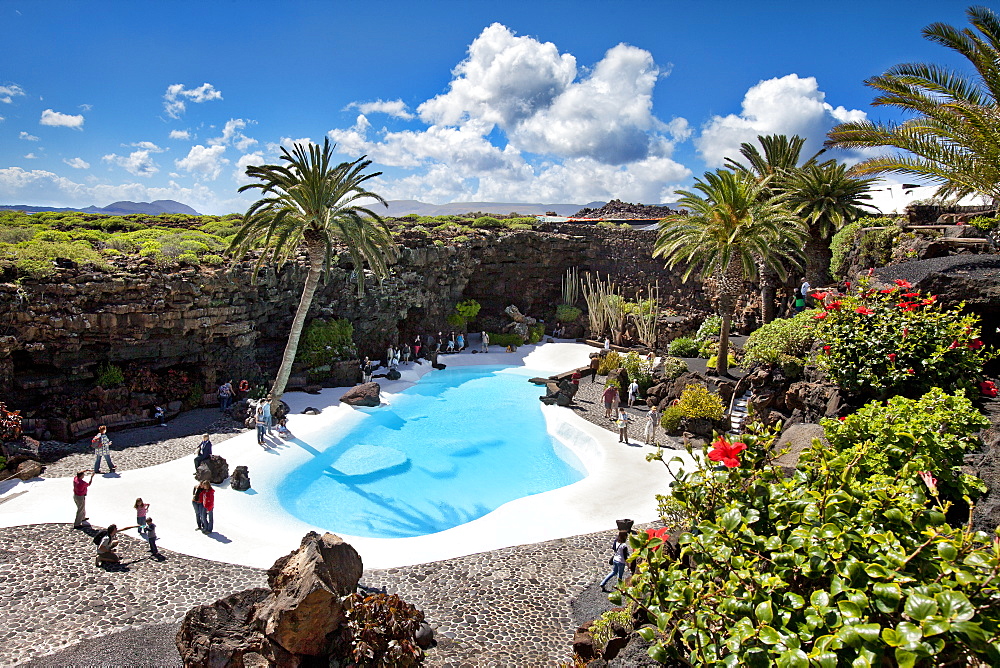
[
  {"x": 827, "y": 198},
  {"x": 730, "y": 228},
  {"x": 311, "y": 202},
  {"x": 954, "y": 136}
]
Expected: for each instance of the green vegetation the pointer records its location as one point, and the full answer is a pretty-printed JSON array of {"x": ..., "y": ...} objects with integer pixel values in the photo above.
[
  {"x": 697, "y": 403},
  {"x": 109, "y": 376},
  {"x": 327, "y": 341},
  {"x": 671, "y": 420},
  {"x": 711, "y": 326},
  {"x": 785, "y": 341},
  {"x": 683, "y": 347},
  {"x": 505, "y": 340},
  {"x": 609, "y": 363},
  {"x": 673, "y": 367},
  {"x": 567, "y": 313},
  {"x": 638, "y": 369}
]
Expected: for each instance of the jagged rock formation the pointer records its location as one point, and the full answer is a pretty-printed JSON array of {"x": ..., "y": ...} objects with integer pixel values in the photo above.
[{"x": 617, "y": 209}]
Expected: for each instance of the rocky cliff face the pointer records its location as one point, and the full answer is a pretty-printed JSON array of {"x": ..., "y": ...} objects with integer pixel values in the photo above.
[{"x": 213, "y": 322}]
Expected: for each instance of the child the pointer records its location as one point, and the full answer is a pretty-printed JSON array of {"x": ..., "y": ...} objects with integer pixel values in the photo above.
[
  {"x": 159, "y": 414},
  {"x": 283, "y": 428},
  {"x": 140, "y": 515},
  {"x": 151, "y": 536}
]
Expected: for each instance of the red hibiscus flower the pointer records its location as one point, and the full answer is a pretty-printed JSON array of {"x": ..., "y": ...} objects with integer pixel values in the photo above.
[
  {"x": 910, "y": 371},
  {"x": 826, "y": 350},
  {"x": 842, "y": 418},
  {"x": 726, "y": 452},
  {"x": 975, "y": 344},
  {"x": 888, "y": 290},
  {"x": 911, "y": 295},
  {"x": 988, "y": 388},
  {"x": 658, "y": 533},
  {"x": 906, "y": 332},
  {"x": 863, "y": 311},
  {"x": 930, "y": 300},
  {"x": 892, "y": 357},
  {"x": 819, "y": 295},
  {"x": 819, "y": 316},
  {"x": 903, "y": 283},
  {"x": 833, "y": 306},
  {"x": 954, "y": 344},
  {"x": 907, "y": 306}
]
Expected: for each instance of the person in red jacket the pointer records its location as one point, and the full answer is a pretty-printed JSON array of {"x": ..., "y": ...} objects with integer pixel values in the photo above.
[{"x": 206, "y": 496}]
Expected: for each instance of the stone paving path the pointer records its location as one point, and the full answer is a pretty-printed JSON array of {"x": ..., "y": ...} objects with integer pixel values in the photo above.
[{"x": 509, "y": 607}]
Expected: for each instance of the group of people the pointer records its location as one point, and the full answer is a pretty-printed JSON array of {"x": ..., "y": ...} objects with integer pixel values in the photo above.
[
  {"x": 107, "y": 540},
  {"x": 423, "y": 346},
  {"x": 613, "y": 410}
]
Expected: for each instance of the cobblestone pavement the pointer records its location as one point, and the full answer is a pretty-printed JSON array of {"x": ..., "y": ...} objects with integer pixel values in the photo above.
[
  {"x": 508, "y": 607},
  {"x": 143, "y": 446}
]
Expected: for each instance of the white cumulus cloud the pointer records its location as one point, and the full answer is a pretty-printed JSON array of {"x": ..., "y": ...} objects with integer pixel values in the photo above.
[
  {"x": 395, "y": 108},
  {"x": 255, "y": 158},
  {"x": 9, "y": 92},
  {"x": 27, "y": 137},
  {"x": 206, "y": 161},
  {"x": 77, "y": 163},
  {"x": 57, "y": 119},
  {"x": 31, "y": 156},
  {"x": 232, "y": 134},
  {"x": 137, "y": 163},
  {"x": 789, "y": 105},
  {"x": 176, "y": 98},
  {"x": 180, "y": 134},
  {"x": 148, "y": 146}
]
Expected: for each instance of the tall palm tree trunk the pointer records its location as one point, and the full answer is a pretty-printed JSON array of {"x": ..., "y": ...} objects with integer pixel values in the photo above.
[
  {"x": 818, "y": 257},
  {"x": 314, "y": 248},
  {"x": 730, "y": 284},
  {"x": 768, "y": 293}
]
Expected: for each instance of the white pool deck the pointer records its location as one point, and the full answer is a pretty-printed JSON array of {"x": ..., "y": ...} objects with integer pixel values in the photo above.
[{"x": 253, "y": 529}]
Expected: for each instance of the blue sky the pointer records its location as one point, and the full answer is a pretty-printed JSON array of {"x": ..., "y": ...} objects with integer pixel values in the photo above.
[{"x": 454, "y": 101}]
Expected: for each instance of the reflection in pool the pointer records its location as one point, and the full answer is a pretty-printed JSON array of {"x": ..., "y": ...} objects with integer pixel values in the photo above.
[{"x": 457, "y": 445}]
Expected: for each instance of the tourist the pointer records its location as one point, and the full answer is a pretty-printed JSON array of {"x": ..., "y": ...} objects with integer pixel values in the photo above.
[
  {"x": 140, "y": 515},
  {"x": 199, "y": 509},
  {"x": 390, "y": 355},
  {"x": 575, "y": 378},
  {"x": 416, "y": 347},
  {"x": 260, "y": 422},
  {"x": 406, "y": 353},
  {"x": 151, "y": 537},
  {"x": 450, "y": 346},
  {"x": 652, "y": 422},
  {"x": 396, "y": 353},
  {"x": 610, "y": 397},
  {"x": 366, "y": 370},
  {"x": 622, "y": 424},
  {"x": 204, "y": 452},
  {"x": 485, "y": 345},
  {"x": 607, "y": 344},
  {"x": 460, "y": 342},
  {"x": 266, "y": 414},
  {"x": 102, "y": 448},
  {"x": 802, "y": 300},
  {"x": 283, "y": 428},
  {"x": 160, "y": 414},
  {"x": 438, "y": 343},
  {"x": 80, "y": 497},
  {"x": 206, "y": 497},
  {"x": 106, "y": 548},
  {"x": 618, "y": 560},
  {"x": 225, "y": 395},
  {"x": 595, "y": 364},
  {"x": 633, "y": 392}
]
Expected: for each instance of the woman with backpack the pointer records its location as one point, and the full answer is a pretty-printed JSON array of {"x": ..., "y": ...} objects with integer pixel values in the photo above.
[
  {"x": 618, "y": 559},
  {"x": 102, "y": 448}
]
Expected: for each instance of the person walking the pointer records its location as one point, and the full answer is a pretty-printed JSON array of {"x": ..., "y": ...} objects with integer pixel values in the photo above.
[
  {"x": 199, "y": 509},
  {"x": 802, "y": 301},
  {"x": 204, "y": 452},
  {"x": 206, "y": 497},
  {"x": 406, "y": 353},
  {"x": 151, "y": 537},
  {"x": 607, "y": 344},
  {"x": 102, "y": 448},
  {"x": 80, "y": 497},
  {"x": 595, "y": 364},
  {"x": 140, "y": 515},
  {"x": 485, "y": 345},
  {"x": 633, "y": 392},
  {"x": 619, "y": 558},
  {"x": 652, "y": 422},
  {"x": 622, "y": 424},
  {"x": 609, "y": 396},
  {"x": 225, "y": 395},
  {"x": 459, "y": 342},
  {"x": 260, "y": 422}
]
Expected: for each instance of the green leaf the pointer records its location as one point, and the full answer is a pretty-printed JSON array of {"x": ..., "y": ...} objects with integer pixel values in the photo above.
[
  {"x": 657, "y": 653},
  {"x": 731, "y": 519},
  {"x": 947, "y": 551},
  {"x": 955, "y": 606},
  {"x": 920, "y": 607},
  {"x": 971, "y": 630},
  {"x": 887, "y": 596},
  {"x": 824, "y": 659},
  {"x": 794, "y": 601},
  {"x": 647, "y": 633},
  {"x": 891, "y": 638},
  {"x": 793, "y": 658},
  {"x": 764, "y": 612},
  {"x": 909, "y": 635},
  {"x": 819, "y": 599},
  {"x": 849, "y": 610},
  {"x": 769, "y": 636},
  {"x": 935, "y": 626},
  {"x": 868, "y": 632},
  {"x": 905, "y": 658}
]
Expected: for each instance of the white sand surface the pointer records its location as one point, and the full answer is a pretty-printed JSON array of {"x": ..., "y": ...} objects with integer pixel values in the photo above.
[{"x": 253, "y": 529}]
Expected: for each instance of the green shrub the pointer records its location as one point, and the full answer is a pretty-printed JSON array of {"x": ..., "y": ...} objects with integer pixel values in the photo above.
[
  {"x": 536, "y": 332},
  {"x": 841, "y": 245},
  {"x": 460, "y": 239},
  {"x": 712, "y": 326},
  {"x": 898, "y": 341},
  {"x": 326, "y": 341},
  {"x": 697, "y": 403},
  {"x": 933, "y": 433},
  {"x": 506, "y": 340},
  {"x": 638, "y": 369},
  {"x": 109, "y": 376},
  {"x": 609, "y": 363},
  {"x": 708, "y": 348},
  {"x": 212, "y": 260},
  {"x": 520, "y": 226},
  {"x": 604, "y": 627},
  {"x": 673, "y": 367},
  {"x": 828, "y": 568},
  {"x": 485, "y": 222},
  {"x": 37, "y": 258},
  {"x": 567, "y": 313},
  {"x": 52, "y": 235},
  {"x": 683, "y": 347},
  {"x": 984, "y": 223},
  {"x": 454, "y": 319},
  {"x": 875, "y": 247},
  {"x": 783, "y": 340},
  {"x": 671, "y": 420},
  {"x": 713, "y": 360}
]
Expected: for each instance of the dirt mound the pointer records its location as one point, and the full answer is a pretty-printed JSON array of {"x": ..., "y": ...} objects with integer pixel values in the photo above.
[{"x": 618, "y": 209}]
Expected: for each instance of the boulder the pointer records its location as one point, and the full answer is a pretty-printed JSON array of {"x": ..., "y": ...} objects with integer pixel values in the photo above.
[
  {"x": 306, "y": 590},
  {"x": 241, "y": 479},
  {"x": 365, "y": 394},
  {"x": 810, "y": 401},
  {"x": 309, "y": 410},
  {"x": 798, "y": 438},
  {"x": 214, "y": 469},
  {"x": 583, "y": 644},
  {"x": 424, "y": 635},
  {"x": 29, "y": 469},
  {"x": 222, "y": 634}
]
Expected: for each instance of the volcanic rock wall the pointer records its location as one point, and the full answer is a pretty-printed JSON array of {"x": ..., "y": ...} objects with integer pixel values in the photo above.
[{"x": 55, "y": 333}]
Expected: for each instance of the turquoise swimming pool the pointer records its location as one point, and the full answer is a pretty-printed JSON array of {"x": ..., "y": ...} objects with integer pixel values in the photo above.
[{"x": 457, "y": 445}]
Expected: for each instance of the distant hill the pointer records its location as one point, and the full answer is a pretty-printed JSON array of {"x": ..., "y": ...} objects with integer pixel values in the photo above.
[
  {"x": 122, "y": 208},
  {"x": 411, "y": 206}
]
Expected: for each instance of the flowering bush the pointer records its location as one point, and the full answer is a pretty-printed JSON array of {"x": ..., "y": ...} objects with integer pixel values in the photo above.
[
  {"x": 878, "y": 343},
  {"x": 10, "y": 424},
  {"x": 830, "y": 567},
  {"x": 697, "y": 403},
  {"x": 609, "y": 362},
  {"x": 783, "y": 341}
]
